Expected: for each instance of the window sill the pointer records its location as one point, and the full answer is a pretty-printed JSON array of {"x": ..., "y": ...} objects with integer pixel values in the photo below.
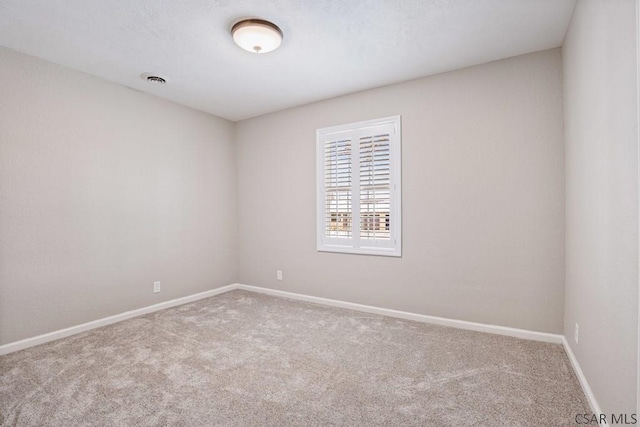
[{"x": 393, "y": 252}]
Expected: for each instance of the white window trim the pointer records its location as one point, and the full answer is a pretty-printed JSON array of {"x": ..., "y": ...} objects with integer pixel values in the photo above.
[{"x": 353, "y": 245}]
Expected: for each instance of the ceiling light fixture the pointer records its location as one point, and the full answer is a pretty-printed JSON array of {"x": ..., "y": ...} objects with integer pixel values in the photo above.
[{"x": 256, "y": 35}]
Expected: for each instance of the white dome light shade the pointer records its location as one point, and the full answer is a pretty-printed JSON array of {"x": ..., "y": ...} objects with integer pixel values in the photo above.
[{"x": 256, "y": 35}]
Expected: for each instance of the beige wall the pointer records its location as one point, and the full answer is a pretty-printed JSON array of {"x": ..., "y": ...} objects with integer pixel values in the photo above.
[
  {"x": 483, "y": 197},
  {"x": 601, "y": 120},
  {"x": 102, "y": 191}
]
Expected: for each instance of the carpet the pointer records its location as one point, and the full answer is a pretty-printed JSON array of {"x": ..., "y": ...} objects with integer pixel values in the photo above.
[{"x": 247, "y": 359}]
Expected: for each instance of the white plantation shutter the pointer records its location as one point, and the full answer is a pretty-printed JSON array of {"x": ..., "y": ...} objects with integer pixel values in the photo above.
[
  {"x": 338, "y": 188},
  {"x": 375, "y": 182},
  {"x": 359, "y": 188}
]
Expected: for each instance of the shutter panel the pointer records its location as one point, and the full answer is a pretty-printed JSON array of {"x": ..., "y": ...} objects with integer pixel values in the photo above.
[
  {"x": 338, "y": 191},
  {"x": 375, "y": 186}
]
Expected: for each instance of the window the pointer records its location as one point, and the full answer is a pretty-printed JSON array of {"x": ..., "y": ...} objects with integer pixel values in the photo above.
[{"x": 358, "y": 188}]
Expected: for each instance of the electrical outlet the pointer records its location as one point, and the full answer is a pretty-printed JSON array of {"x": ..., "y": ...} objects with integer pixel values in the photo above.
[
  {"x": 279, "y": 275},
  {"x": 156, "y": 287},
  {"x": 576, "y": 335}
]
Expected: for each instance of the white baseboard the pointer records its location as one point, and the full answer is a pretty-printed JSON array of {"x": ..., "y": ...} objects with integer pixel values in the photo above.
[
  {"x": 593, "y": 403},
  {"x": 460, "y": 324},
  {"x": 55, "y": 335}
]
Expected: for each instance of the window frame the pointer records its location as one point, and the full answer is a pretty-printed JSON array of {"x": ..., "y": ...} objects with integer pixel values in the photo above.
[{"x": 354, "y": 244}]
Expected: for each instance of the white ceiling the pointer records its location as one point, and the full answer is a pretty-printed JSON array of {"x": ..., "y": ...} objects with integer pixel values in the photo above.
[{"x": 330, "y": 48}]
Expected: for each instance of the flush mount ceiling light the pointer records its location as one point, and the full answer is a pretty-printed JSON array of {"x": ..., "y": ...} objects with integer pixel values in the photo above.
[{"x": 256, "y": 35}]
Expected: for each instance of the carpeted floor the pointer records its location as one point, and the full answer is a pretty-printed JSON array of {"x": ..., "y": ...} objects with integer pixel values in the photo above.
[{"x": 246, "y": 359}]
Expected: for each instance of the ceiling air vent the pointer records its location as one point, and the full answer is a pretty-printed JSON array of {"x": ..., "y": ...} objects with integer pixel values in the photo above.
[{"x": 156, "y": 79}]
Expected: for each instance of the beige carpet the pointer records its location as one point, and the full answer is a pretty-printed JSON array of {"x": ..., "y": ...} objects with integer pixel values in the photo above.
[{"x": 246, "y": 359}]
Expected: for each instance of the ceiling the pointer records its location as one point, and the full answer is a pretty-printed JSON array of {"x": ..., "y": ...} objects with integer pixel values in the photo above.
[{"x": 330, "y": 47}]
